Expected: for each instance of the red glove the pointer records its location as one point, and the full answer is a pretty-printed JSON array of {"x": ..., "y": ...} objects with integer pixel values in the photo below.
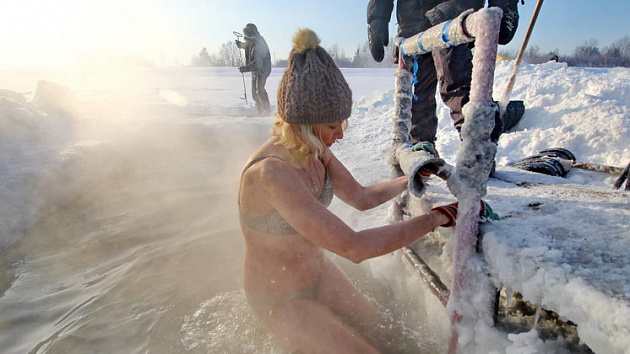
[{"x": 450, "y": 211}]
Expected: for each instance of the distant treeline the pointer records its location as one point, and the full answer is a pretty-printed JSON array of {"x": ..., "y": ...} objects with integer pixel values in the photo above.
[
  {"x": 588, "y": 54},
  {"x": 229, "y": 55}
]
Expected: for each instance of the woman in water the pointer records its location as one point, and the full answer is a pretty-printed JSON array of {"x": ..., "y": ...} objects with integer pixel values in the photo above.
[{"x": 306, "y": 302}]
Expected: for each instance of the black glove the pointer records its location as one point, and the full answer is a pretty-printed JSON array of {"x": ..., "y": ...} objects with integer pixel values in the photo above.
[
  {"x": 242, "y": 69},
  {"x": 509, "y": 21},
  {"x": 238, "y": 43},
  {"x": 378, "y": 38},
  {"x": 436, "y": 15}
]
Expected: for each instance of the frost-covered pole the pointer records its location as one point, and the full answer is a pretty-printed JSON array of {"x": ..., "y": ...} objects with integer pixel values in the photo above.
[
  {"x": 444, "y": 35},
  {"x": 411, "y": 163},
  {"x": 403, "y": 83},
  {"x": 471, "y": 301}
]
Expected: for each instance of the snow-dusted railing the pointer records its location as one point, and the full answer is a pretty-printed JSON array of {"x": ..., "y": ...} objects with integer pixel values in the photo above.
[{"x": 469, "y": 312}]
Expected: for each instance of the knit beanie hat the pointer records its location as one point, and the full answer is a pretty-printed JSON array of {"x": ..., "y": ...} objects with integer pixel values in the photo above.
[
  {"x": 250, "y": 30},
  {"x": 312, "y": 89}
]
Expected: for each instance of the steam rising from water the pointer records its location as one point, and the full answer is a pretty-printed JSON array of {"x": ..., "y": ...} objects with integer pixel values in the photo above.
[{"x": 144, "y": 230}]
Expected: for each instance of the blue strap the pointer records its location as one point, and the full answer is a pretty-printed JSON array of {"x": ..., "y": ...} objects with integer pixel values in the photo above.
[
  {"x": 400, "y": 47},
  {"x": 415, "y": 74},
  {"x": 415, "y": 60},
  {"x": 420, "y": 46},
  {"x": 445, "y": 37}
]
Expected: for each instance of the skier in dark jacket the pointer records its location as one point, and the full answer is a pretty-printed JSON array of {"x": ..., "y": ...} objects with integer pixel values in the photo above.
[
  {"x": 258, "y": 61},
  {"x": 451, "y": 67}
]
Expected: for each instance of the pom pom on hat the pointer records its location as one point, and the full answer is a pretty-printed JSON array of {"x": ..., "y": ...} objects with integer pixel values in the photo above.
[
  {"x": 305, "y": 39},
  {"x": 312, "y": 89}
]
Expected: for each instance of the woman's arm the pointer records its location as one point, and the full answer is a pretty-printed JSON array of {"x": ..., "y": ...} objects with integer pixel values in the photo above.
[
  {"x": 290, "y": 196},
  {"x": 359, "y": 196}
]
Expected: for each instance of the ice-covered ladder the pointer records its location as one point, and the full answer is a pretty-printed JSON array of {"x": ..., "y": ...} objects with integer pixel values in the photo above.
[{"x": 468, "y": 179}]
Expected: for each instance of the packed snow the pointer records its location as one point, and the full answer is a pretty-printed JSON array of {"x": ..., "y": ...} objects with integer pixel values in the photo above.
[{"x": 561, "y": 242}]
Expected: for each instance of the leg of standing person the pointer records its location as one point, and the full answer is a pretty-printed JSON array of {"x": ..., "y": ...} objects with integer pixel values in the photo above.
[
  {"x": 262, "y": 95},
  {"x": 454, "y": 70},
  {"x": 423, "y": 118},
  {"x": 255, "y": 93},
  {"x": 454, "y": 67}
]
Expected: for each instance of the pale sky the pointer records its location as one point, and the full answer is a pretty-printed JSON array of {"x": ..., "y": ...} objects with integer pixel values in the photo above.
[{"x": 42, "y": 33}]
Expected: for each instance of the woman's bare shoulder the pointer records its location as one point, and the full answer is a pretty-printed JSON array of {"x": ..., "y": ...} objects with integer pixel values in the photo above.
[
  {"x": 269, "y": 166},
  {"x": 266, "y": 166},
  {"x": 265, "y": 176},
  {"x": 328, "y": 156}
]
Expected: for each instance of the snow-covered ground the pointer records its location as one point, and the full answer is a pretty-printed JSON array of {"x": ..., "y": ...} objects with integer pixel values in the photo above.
[
  {"x": 559, "y": 240},
  {"x": 563, "y": 243}
]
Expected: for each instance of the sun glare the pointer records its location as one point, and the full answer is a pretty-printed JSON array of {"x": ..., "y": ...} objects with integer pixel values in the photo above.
[{"x": 70, "y": 33}]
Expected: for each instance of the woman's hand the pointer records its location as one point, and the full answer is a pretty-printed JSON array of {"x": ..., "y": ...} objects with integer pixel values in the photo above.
[{"x": 449, "y": 212}]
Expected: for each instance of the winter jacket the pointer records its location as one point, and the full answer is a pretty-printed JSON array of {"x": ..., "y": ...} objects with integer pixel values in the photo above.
[
  {"x": 418, "y": 15},
  {"x": 257, "y": 56}
]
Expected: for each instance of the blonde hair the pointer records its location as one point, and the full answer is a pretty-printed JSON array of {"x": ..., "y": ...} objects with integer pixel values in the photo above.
[{"x": 299, "y": 138}]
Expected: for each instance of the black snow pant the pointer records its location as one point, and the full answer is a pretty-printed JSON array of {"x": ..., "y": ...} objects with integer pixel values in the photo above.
[
  {"x": 259, "y": 94},
  {"x": 452, "y": 69}
]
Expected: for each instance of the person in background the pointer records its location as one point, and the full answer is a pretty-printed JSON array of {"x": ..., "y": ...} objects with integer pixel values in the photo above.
[
  {"x": 451, "y": 67},
  {"x": 303, "y": 298},
  {"x": 258, "y": 62}
]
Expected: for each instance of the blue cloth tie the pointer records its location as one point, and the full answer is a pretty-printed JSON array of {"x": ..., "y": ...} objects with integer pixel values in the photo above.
[{"x": 415, "y": 74}]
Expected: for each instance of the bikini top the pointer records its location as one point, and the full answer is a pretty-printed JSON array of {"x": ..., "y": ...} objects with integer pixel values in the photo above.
[{"x": 273, "y": 223}]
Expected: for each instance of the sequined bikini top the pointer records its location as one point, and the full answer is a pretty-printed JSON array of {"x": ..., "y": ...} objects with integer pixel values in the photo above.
[{"x": 273, "y": 223}]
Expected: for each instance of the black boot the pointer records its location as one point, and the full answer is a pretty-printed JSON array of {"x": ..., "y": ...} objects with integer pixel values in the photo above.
[
  {"x": 513, "y": 114},
  {"x": 553, "y": 162}
]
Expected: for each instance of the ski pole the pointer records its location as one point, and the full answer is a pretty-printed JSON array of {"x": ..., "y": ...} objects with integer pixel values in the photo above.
[
  {"x": 240, "y": 63},
  {"x": 503, "y": 102}
]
